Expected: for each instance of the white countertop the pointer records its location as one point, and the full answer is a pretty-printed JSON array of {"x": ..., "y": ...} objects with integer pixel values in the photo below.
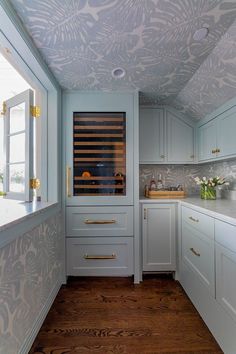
[
  {"x": 15, "y": 211},
  {"x": 222, "y": 209}
]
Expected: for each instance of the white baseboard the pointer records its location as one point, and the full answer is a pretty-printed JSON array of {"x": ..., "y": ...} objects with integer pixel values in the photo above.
[{"x": 27, "y": 344}]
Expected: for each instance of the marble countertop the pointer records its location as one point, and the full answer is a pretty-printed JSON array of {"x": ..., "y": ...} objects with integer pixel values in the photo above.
[
  {"x": 15, "y": 211},
  {"x": 222, "y": 209}
]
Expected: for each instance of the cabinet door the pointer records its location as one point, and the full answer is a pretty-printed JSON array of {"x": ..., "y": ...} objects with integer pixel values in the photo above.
[
  {"x": 151, "y": 137},
  {"x": 207, "y": 141},
  {"x": 99, "y": 148},
  {"x": 226, "y": 127},
  {"x": 159, "y": 237},
  {"x": 180, "y": 140},
  {"x": 226, "y": 279}
]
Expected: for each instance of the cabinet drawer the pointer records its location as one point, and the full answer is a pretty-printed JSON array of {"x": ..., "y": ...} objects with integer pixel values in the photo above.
[
  {"x": 99, "y": 221},
  {"x": 198, "y": 254},
  {"x": 225, "y": 234},
  {"x": 226, "y": 279},
  {"x": 103, "y": 256},
  {"x": 199, "y": 221}
]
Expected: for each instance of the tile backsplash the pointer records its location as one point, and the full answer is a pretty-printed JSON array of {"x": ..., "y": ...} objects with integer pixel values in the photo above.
[{"x": 173, "y": 175}]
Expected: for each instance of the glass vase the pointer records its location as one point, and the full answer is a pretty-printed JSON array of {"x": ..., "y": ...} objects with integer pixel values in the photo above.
[{"x": 208, "y": 193}]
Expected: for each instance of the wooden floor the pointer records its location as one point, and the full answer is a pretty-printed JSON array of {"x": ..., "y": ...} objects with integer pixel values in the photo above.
[{"x": 114, "y": 316}]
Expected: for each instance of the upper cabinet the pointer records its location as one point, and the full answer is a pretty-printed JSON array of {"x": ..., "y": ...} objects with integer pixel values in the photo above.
[
  {"x": 207, "y": 141},
  {"x": 180, "y": 140},
  {"x": 151, "y": 138},
  {"x": 165, "y": 137},
  {"x": 217, "y": 137}
]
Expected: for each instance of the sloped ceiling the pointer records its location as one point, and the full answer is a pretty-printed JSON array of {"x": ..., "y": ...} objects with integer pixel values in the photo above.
[{"x": 82, "y": 41}]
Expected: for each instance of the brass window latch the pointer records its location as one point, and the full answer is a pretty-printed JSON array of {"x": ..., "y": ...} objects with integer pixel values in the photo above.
[
  {"x": 4, "y": 109},
  {"x": 34, "y": 183},
  {"x": 35, "y": 111}
]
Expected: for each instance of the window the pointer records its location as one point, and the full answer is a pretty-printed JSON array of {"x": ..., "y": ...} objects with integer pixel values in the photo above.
[
  {"x": 18, "y": 146},
  {"x": 18, "y": 49},
  {"x": 17, "y": 135}
]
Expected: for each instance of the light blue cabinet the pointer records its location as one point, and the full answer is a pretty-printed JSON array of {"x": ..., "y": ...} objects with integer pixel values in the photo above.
[
  {"x": 180, "y": 140},
  {"x": 158, "y": 236},
  {"x": 165, "y": 137},
  {"x": 226, "y": 128},
  {"x": 216, "y": 138},
  {"x": 151, "y": 137},
  {"x": 99, "y": 102},
  {"x": 208, "y": 272},
  {"x": 207, "y": 141}
]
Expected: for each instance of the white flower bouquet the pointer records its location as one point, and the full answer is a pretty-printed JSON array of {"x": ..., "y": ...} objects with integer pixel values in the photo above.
[
  {"x": 208, "y": 186},
  {"x": 211, "y": 182}
]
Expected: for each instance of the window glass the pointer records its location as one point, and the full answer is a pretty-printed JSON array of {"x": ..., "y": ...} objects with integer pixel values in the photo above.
[
  {"x": 17, "y": 178},
  {"x": 17, "y": 118},
  {"x": 17, "y": 148}
]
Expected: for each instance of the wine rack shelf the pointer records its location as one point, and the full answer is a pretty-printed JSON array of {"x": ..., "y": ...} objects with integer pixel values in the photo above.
[{"x": 99, "y": 151}]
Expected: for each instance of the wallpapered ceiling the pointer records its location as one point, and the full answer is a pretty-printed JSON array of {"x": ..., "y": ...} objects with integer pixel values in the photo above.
[
  {"x": 83, "y": 40},
  {"x": 30, "y": 267}
]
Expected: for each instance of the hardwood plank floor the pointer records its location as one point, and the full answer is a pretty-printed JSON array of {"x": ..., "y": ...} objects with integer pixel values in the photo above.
[{"x": 114, "y": 316}]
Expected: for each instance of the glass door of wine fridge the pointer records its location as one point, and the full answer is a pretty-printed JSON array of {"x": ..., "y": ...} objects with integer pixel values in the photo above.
[
  {"x": 99, "y": 155},
  {"x": 99, "y": 164}
]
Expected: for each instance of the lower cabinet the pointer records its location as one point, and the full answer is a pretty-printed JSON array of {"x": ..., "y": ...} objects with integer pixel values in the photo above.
[
  {"x": 208, "y": 273},
  {"x": 226, "y": 266},
  {"x": 99, "y": 241},
  {"x": 198, "y": 249},
  {"x": 100, "y": 256},
  {"x": 158, "y": 234}
]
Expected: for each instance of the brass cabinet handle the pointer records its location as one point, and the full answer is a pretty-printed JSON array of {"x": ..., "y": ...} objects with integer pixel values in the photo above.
[
  {"x": 145, "y": 214},
  {"x": 89, "y": 256},
  {"x": 68, "y": 178},
  {"x": 195, "y": 252},
  {"x": 195, "y": 220},
  {"x": 99, "y": 222}
]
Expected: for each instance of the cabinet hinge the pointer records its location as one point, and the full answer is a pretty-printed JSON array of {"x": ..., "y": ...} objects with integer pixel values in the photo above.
[
  {"x": 35, "y": 111},
  {"x": 4, "y": 109},
  {"x": 34, "y": 183}
]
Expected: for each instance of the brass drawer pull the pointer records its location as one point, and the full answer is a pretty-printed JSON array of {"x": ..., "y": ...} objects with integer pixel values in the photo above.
[
  {"x": 195, "y": 220},
  {"x": 99, "y": 222},
  {"x": 195, "y": 252},
  {"x": 89, "y": 256}
]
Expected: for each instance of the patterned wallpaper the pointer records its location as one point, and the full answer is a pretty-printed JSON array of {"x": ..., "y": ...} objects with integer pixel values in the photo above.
[
  {"x": 214, "y": 82},
  {"x": 82, "y": 41},
  {"x": 173, "y": 175},
  {"x": 30, "y": 267}
]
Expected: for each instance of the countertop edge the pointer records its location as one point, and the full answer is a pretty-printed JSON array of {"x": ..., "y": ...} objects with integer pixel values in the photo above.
[{"x": 220, "y": 215}]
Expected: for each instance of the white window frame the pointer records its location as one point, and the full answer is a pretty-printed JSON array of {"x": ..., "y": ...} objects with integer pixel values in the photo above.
[
  {"x": 41, "y": 99},
  {"x": 26, "y": 97},
  {"x": 29, "y": 60}
]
